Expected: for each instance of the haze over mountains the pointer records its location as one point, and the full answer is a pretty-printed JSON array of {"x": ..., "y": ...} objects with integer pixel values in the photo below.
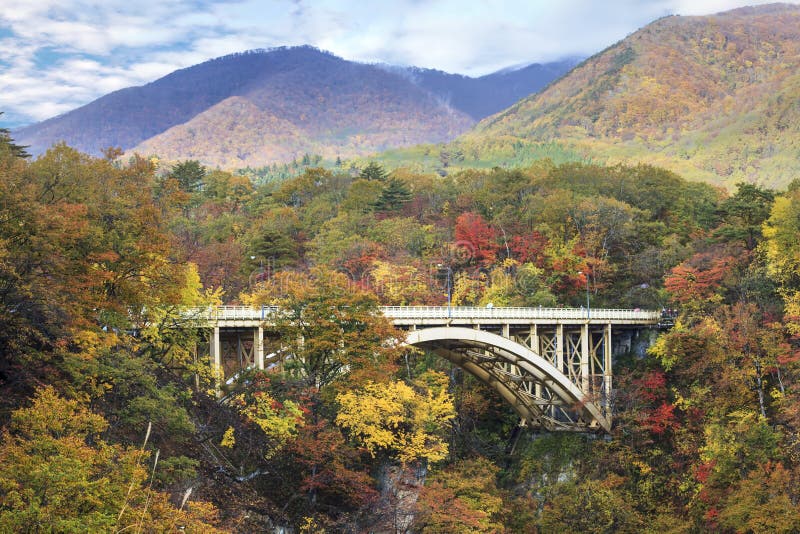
[
  {"x": 714, "y": 98},
  {"x": 261, "y": 107}
]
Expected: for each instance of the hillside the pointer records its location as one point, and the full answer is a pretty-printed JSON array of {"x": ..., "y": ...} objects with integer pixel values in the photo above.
[
  {"x": 269, "y": 106},
  {"x": 325, "y": 105},
  {"x": 486, "y": 95},
  {"x": 714, "y": 98}
]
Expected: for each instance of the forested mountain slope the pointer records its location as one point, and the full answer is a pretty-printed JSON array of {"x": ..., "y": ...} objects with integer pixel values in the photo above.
[
  {"x": 328, "y": 106},
  {"x": 713, "y": 97},
  {"x": 274, "y": 105}
]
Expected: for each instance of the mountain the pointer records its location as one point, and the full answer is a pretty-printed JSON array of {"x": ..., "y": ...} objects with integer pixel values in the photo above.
[
  {"x": 311, "y": 102},
  {"x": 715, "y": 98},
  {"x": 268, "y": 106},
  {"x": 486, "y": 95}
]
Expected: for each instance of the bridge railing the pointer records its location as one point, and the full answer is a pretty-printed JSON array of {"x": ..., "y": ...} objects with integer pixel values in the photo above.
[
  {"x": 232, "y": 313},
  {"x": 247, "y": 313},
  {"x": 500, "y": 313}
]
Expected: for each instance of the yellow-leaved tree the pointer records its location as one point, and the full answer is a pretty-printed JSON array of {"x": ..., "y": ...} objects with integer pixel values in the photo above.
[
  {"x": 279, "y": 420},
  {"x": 399, "y": 420},
  {"x": 782, "y": 250},
  {"x": 399, "y": 285},
  {"x": 56, "y": 475}
]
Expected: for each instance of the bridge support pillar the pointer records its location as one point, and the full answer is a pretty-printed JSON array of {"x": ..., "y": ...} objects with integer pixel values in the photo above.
[
  {"x": 607, "y": 375},
  {"x": 216, "y": 354},
  {"x": 533, "y": 343},
  {"x": 585, "y": 378},
  {"x": 258, "y": 347},
  {"x": 560, "y": 347}
]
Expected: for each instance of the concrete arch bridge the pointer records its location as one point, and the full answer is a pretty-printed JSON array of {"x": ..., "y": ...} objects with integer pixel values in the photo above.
[{"x": 552, "y": 365}]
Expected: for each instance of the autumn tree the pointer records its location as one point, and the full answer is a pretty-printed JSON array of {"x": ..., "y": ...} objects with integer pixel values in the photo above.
[
  {"x": 605, "y": 228},
  {"x": 736, "y": 444},
  {"x": 762, "y": 502},
  {"x": 407, "y": 422},
  {"x": 513, "y": 284},
  {"x": 328, "y": 478},
  {"x": 529, "y": 248},
  {"x": 279, "y": 420},
  {"x": 696, "y": 284},
  {"x": 477, "y": 239},
  {"x": 462, "y": 498},
  {"x": 782, "y": 251},
  {"x": 87, "y": 247},
  {"x": 56, "y": 473},
  {"x": 329, "y": 329},
  {"x": 334, "y": 341},
  {"x": 400, "y": 285}
]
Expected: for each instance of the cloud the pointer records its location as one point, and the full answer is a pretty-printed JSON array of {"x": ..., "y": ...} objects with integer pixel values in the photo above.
[{"x": 59, "y": 54}]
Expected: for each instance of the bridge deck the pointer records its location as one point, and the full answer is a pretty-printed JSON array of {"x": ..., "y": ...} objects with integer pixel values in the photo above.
[{"x": 457, "y": 315}]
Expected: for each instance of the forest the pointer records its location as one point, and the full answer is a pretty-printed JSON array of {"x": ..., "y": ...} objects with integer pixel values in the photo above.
[{"x": 111, "y": 422}]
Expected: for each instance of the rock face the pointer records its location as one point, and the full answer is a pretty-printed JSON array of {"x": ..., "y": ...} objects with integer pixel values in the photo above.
[
  {"x": 263, "y": 107},
  {"x": 713, "y": 98},
  {"x": 400, "y": 487}
]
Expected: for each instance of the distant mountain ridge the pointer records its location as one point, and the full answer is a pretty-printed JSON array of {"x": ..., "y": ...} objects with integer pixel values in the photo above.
[
  {"x": 267, "y": 106},
  {"x": 715, "y": 98},
  {"x": 486, "y": 95}
]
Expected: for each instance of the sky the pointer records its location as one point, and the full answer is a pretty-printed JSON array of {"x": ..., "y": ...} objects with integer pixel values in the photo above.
[{"x": 56, "y": 55}]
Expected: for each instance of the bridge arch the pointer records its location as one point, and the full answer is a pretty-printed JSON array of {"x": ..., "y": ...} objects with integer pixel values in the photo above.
[{"x": 534, "y": 387}]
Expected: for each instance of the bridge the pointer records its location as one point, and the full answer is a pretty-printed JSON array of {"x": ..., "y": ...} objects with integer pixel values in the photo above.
[{"x": 552, "y": 365}]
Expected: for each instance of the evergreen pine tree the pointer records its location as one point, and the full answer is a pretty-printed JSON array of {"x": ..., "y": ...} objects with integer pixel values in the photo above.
[
  {"x": 395, "y": 193},
  {"x": 6, "y": 142},
  {"x": 373, "y": 171}
]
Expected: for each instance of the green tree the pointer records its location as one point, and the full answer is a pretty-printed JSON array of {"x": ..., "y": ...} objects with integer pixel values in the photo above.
[
  {"x": 393, "y": 196},
  {"x": 189, "y": 174},
  {"x": 7, "y": 143},
  {"x": 744, "y": 213},
  {"x": 373, "y": 171},
  {"x": 274, "y": 246},
  {"x": 235, "y": 191},
  {"x": 597, "y": 506}
]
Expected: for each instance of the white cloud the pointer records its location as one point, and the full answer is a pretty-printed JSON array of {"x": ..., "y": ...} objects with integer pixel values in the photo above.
[{"x": 59, "y": 54}]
